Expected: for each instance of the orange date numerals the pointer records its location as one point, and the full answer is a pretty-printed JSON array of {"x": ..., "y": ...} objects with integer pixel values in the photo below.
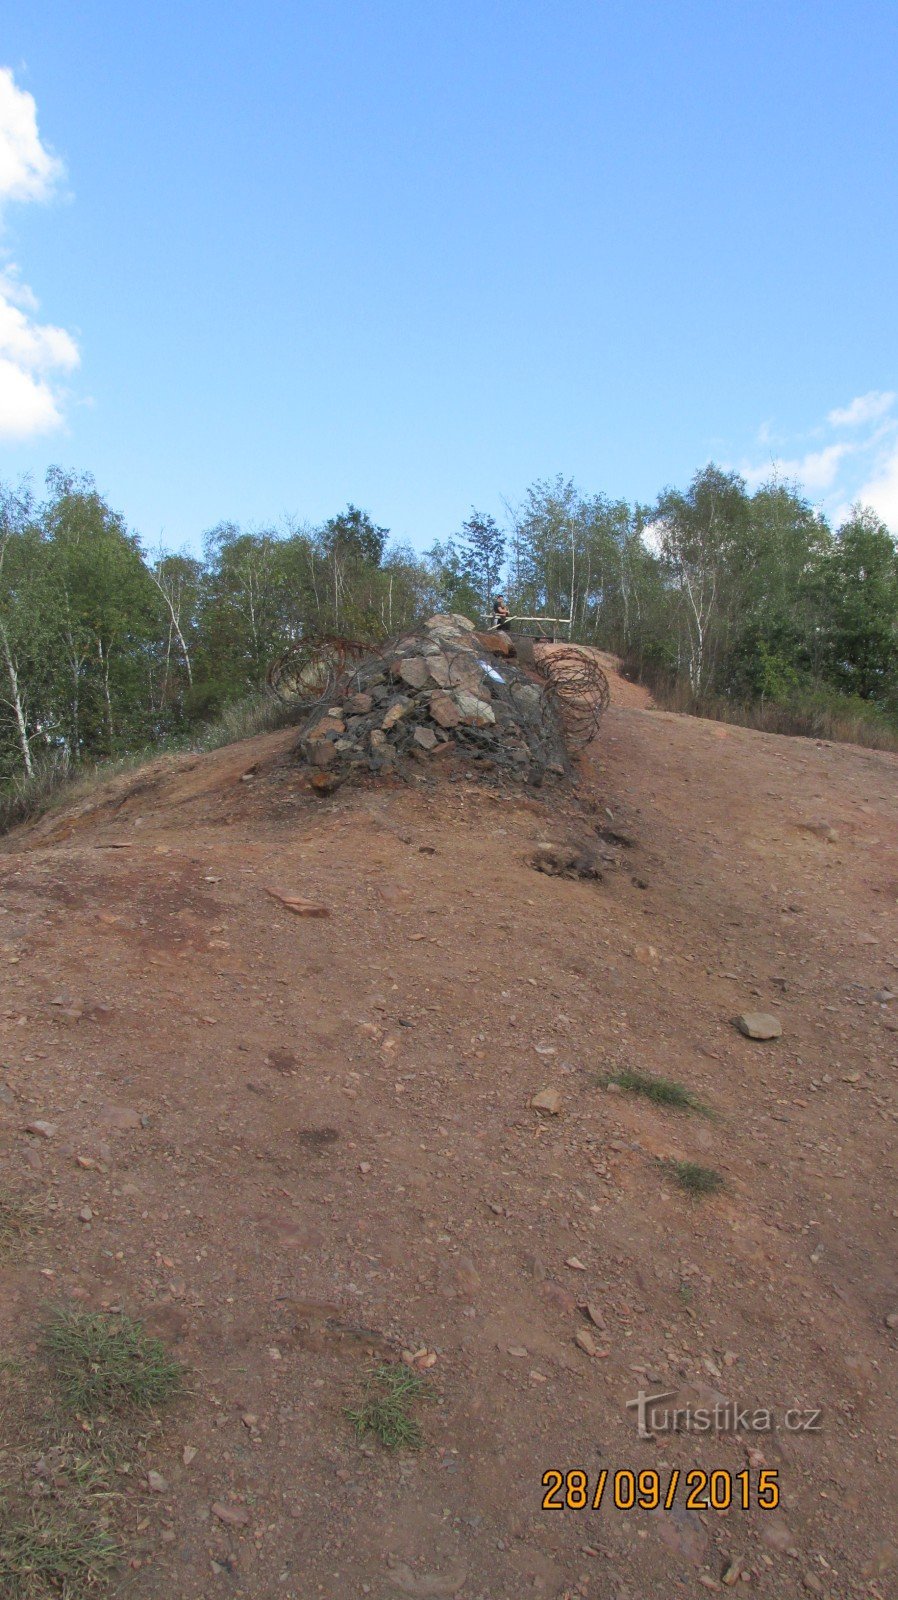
[{"x": 626, "y": 1490}]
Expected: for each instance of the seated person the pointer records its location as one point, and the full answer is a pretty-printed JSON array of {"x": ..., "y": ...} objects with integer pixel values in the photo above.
[{"x": 501, "y": 613}]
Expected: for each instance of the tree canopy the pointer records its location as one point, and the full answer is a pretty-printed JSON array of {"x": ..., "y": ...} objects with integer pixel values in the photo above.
[{"x": 739, "y": 595}]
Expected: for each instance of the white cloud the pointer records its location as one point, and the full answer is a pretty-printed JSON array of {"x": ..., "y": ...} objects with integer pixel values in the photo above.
[
  {"x": 865, "y": 408},
  {"x": 33, "y": 355},
  {"x": 28, "y": 405},
  {"x": 34, "y": 346},
  {"x": 881, "y": 489},
  {"x": 27, "y": 168},
  {"x": 860, "y": 469},
  {"x": 816, "y": 471}
]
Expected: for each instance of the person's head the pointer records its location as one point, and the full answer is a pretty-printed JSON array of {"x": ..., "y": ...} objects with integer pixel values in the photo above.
[{"x": 500, "y": 599}]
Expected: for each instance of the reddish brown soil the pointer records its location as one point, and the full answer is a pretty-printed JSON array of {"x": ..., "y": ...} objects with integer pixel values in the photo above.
[{"x": 337, "y": 1160}]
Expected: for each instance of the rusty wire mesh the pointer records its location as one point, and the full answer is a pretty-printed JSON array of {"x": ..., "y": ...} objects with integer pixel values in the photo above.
[
  {"x": 579, "y": 689},
  {"x": 315, "y": 674},
  {"x": 311, "y": 670}
]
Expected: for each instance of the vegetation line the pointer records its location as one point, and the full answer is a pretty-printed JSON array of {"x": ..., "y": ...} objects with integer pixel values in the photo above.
[{"x": 745, "y": 606}]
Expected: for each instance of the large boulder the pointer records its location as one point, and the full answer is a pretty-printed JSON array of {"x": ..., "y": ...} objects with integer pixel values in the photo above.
[{"x": 497, "y": 643}]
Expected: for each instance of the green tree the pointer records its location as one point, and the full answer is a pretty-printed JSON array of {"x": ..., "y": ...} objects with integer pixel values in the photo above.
[
  {"x": 178, "y": 580},
  {"x": 699, "y": 532},
  {"x": 352, "y": 536},
  {"x": 448, "y": 582},
  {"x": 21, "y": 619},
  {"x": 544, "y": 541},
  {"x": 103, "y": 617},
  {"x": 483, "y": 547},
  {"x": 861, "y": 593},
  {"x": 242, "y": 606}
]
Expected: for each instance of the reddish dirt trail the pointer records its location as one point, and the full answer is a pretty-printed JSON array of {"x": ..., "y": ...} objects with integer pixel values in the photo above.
[{"x": 334, "y": 1137}]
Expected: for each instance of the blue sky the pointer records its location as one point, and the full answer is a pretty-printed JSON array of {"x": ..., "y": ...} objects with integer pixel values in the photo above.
[{"x": 271, "y": 258}]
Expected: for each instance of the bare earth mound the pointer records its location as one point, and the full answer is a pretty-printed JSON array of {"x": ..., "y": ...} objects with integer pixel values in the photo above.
[{"x": 301, "y": 1146}]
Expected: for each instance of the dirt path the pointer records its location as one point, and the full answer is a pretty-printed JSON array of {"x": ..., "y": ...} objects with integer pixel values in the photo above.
[{"x": 312, "y": 1144}]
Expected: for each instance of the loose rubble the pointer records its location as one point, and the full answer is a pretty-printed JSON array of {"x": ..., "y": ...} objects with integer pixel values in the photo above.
[
  {"x": 435, "y": 693},
  {"x": 565, "y": 861}
]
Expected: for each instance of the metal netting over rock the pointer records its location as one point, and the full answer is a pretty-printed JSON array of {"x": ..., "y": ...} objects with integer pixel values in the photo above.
[{"x": 432, "y": 693}]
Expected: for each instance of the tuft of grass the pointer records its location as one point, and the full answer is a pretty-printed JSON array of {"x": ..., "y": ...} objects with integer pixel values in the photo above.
[
  {"x": 44, "y": 1555},
  {"x": 384, "y": 1410},
  {"x": 105, "y": 1362},
  {"x": 661, "y": 1091},
  {"x": 15, "y": 1221},
  {"x": 694, "y": 1178}
]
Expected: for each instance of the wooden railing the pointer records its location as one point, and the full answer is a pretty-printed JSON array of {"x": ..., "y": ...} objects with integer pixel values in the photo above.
[{"x": 553, "y": 622}]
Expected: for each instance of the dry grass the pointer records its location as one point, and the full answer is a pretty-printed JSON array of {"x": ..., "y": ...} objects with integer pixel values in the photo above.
[
  {"x": 57, "y": 782},
  {"x": 259, "y": 713},
  {"x": 52, "y": 1554},
  {"x": 16, "y": 1220},
  {"x": 836, "y": 718},
  {"x": 24, "y": 798},
  {"x": 57, "y": 1498},
  {"x": 68, "y": 1488}
]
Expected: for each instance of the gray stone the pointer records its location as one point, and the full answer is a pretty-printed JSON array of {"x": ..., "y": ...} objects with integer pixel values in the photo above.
[
  {"x": 759, "y": 1025},
  {"x": 526, "y": 695},
  {"x": 440, "y": 670},
  {"x": 474, "y": 709},
  {"x": 425, "y": 737},
  {"x": 441, "y": 623},
  {"x": 454, "y": 671},
  {"x": 414, "y": 671}
]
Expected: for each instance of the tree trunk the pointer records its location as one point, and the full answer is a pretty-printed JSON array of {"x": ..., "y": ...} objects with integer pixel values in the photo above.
[
  {"x": 176, "y": 624},
  {"x": 16, "y": 702},
  {"x": 104, "y": 661}
]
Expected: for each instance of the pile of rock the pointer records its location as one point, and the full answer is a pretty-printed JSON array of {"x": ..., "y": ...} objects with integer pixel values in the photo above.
[{"x": 440, "y": 691}]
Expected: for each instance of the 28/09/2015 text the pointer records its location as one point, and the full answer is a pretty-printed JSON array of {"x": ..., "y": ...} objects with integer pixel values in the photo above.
[{"x": 649, "y": 1490}]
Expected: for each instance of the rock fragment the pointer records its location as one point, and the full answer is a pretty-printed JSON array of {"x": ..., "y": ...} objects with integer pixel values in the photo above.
[
  {"x": 759, "y": 1025},
  {"x": 298, "y": 904},
  {"x": 547, "y": 1100},
  {"x": 232, "y": 1516},
  {"x": 444, "y": 711}
]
